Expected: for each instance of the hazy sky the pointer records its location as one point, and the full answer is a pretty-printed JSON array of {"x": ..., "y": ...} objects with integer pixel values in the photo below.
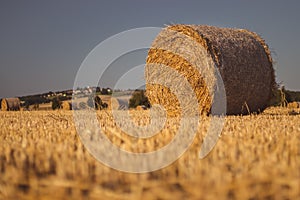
[{"x": 43, "y": 43}]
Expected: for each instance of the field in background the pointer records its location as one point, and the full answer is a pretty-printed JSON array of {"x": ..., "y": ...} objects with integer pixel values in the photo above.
[
  {"x": 48, "y": 106},
  {"x": 257, "y": 157}
]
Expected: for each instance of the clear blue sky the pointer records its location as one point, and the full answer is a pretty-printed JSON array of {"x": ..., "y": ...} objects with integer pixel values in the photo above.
[{"x": 42, "y": 43}]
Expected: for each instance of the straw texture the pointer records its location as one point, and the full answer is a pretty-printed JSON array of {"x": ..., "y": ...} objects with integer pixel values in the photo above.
[
  {"x": 242, "y": 58},
  {"x": 66, "y": 105},
  {"x": 9, "y": 104}
]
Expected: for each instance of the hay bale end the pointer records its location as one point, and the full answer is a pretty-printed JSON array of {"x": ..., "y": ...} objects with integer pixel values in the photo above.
[
  {"x": 10, "y": 104},
  {"x": 66, "y": 105}
]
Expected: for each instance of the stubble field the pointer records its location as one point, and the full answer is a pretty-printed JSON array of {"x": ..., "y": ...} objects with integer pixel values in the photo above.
[{"x": 257, "y": 157}]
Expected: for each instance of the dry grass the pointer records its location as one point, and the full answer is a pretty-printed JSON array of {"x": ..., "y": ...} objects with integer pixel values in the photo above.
[{"x": 257, "y": 157}]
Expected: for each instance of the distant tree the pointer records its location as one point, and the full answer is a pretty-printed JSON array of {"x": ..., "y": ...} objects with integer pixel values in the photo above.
[
  {"x": 34, "y": 99},
  {"x": 292, "y": 96},
  {"x": 106, "y": 91},
  {"x": 98, "y": 89},
  {"x": 282, "y": 96},
  {"x": 138, "y": 99},
  {"x": 98, "y": 103},
  {"x": 56, "y": 104},
  {"x": 64, "y": 98},
  {"x": 104, "y": 105},
  {"x": 26, "y": 105}
]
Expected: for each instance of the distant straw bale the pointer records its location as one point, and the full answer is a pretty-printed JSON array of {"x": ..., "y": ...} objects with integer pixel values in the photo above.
[
  {"x": 9, "y": 104},
  {"x": 242, "y": 58},
  {"x": 293, "y": 105},
  {"x": 66, "y": 105}
]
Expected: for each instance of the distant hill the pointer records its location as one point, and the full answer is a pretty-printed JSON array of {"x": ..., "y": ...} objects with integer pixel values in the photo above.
[
  {"x": 65, "y": 95},
  {"x": 61, "y": 95}
]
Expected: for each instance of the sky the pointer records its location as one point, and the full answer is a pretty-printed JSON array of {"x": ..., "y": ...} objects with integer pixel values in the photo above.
[{"x": 43, "y": 43}]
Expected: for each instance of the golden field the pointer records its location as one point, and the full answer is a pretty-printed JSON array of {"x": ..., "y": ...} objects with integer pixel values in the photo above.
[{"x": 257, "y": 157}]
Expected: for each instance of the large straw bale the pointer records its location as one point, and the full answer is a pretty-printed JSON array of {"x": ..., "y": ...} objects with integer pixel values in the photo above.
[{"x": 242, "y": 58}]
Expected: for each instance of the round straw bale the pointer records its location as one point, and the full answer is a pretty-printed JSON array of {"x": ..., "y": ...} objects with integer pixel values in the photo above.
[
  {"x": 4, "y": 106},
  {"x": 66, "y": 105},
  {"x": 293, "y": 105},
  {"x": 242, "y": 58},
  {"x": 9, "y": 104}
]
